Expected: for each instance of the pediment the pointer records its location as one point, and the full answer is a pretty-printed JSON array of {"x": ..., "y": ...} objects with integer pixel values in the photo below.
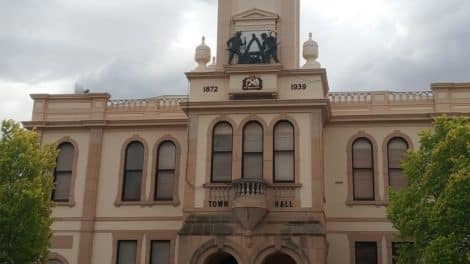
[{"x": 255, "y": 14}]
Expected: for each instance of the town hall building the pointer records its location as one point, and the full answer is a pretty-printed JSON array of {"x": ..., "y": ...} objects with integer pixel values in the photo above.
[{"x": 258, "y": 164}]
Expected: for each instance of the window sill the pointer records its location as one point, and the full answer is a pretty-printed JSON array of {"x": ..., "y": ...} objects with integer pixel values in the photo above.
[
  {"x": 365, "y": 203},
  {"x": 147, "y": 203},
  {"x": 173, "y": 203},
  {"x": 129, "y": 203},
  {"x": 285, "y": 185},
  {"x": 217, "y": 185},
  {"x": 63, "y": 204}
]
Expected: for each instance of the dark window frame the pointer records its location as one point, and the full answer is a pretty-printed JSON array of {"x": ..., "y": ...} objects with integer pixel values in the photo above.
[
  {"x": 283, "y": 151},
  {"x": 119, "y": 250},
  {"x": 151, "y": 247},
  {"x": 126, "y": 171},
  {"x": 253, "y": 153},
  {"x": 56, "y": 171},
  {"x": 371, "y": 169},
  {"x": 213, "y": 152},
  {"x": 158, "y": 171},
  {"x": 368, "y": 243},
  {"x": 388, "y": 158}
]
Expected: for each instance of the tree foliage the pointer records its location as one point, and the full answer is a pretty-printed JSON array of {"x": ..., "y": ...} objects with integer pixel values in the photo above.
[
  {"x": 25, "y": 195},
  {"x": 434, "y": 211}
]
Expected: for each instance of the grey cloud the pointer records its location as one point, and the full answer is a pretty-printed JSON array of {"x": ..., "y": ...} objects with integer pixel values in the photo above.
[
  {"x": 435, "y": 49},
  {"x": 54, "y": 39},
  {"x": 130, "y": 48},
  {"x": 134, "y": 79}
]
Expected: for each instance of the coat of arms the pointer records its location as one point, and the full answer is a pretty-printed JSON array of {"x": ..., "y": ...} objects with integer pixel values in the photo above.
[{"x": 252, "y": 83}]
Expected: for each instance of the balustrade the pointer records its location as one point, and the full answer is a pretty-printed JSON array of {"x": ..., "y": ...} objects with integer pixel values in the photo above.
[
  {"x": 248, "y": 187},
  {"x": 161, "y": 103}
]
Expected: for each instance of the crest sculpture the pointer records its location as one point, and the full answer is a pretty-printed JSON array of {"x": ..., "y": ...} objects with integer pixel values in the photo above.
[{"x": 252, "y": 83}]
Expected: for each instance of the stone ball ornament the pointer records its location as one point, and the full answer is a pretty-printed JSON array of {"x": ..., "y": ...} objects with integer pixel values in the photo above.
[
  {"x": 310, "y": 54},
  {"x": 202, "y": 56}
]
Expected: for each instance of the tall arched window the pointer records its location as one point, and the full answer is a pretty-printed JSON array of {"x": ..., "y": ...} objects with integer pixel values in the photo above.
[
  {"x": 284, "y": 152},
  {"x": 253, "y": 151},
  {"x": 396, "y": 150},
  {"x": 63, "y": 173},
  {"x": 363, "y": 170},
  {"x": 132, "y": 184},
  {"x": 222, "y": 143},
  {"x": 166, "y": 172}
]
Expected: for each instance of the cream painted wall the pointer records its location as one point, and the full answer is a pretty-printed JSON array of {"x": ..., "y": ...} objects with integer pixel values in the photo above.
[
  {"x": 138, "y": 225},
  {"x": 201, "y": 170},
  {"x": 102, "y": 248},
  {"x": 197, "y": 93},
  {"x": 81, "y": 137},
  {"x": 338, "y": 251},
  {"x": 108, "y": 186},
  {"x": 62, "y": 226},
  {"x": 268, "y": 5},
  {"x": 336, "y": 140},
  {"x": 314, "y": 89},
  {"x": 305, "y": 157},
  {"x": 302, "y": 119},
  {"x": 70, "y": 254}
]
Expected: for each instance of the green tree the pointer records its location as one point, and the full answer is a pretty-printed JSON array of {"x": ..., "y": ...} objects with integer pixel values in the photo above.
[
  {"x": 434, "y": 211},
  {"x": 25, "y": 195}
]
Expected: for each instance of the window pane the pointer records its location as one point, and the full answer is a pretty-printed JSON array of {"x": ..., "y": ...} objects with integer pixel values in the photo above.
[
  {"x": 166, "y": 156},
  {"x": 284, "y": 166},
  {"x": 160, "y": 252},
  {"x": 253, "y": 138},
  {"x": 284, "y": 136},
  {"x": 165, "y": 185},
  {"x": 253, "y": 166},
  {"x": 366, "y": 252},
  {"x": 127, "y": 252},
  {"x": 398, "y": 179},
  {"x": 363, "y": 184},
  {"x": 62, "y": 186},
  {"x": 65, "y": 158},
  {"x": 134, "y": 156},
  {"x": 362, "y": 154},
  {"x": 222, "y": 167},
  {"x": 132, "y": 186},
  {"x": 223, "y": 137},
  {"x": 397, "y": 148}
]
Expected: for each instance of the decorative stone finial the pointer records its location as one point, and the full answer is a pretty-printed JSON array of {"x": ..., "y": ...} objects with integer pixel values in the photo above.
[
  {"x": 203, "y": 56},
  {"x": 213, "y": 65},
  {"x": 310, "y": 53}
]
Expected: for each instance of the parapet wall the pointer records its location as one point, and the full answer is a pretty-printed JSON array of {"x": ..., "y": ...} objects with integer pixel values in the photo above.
[{"x": 444, "y": 98}]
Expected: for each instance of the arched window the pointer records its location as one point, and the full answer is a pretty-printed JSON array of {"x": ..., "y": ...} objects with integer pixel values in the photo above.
[
  {"x": 132, "y": 184},
  {"x": 284, "y": 152},
  {"x": 54, "y": 261},
  {"x": 363, "y": 170},
  {"x": 63, "y": 173},
  {"x": 253, "y": 151},
  {"x": 222, "y": 143},
  {"x": 396, "y": 150},
  {"x": 166, "y": 172}
]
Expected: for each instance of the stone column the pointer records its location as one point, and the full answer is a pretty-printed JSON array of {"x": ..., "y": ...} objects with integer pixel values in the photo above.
[{"x": 87, "y": 230}]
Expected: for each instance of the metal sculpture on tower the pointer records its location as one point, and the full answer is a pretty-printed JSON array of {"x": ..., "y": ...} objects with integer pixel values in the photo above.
[{"x": 255, "y": 51}]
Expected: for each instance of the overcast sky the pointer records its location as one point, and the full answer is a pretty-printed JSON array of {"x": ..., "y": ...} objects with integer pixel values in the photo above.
[{"x": 141, "y": 48}]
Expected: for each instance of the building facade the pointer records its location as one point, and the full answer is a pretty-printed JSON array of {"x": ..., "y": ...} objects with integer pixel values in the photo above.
[{"x": 258, "y": 164}]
